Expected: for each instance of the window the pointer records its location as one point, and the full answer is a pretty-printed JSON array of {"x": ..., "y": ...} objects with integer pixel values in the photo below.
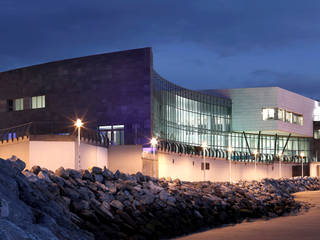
[
  {"x": 207, "y": 166},
  {"x": 18, "y": 104},
  {"x": 316, "y": 134},
  {"x": 281, "y": 114},
  {"x": 300, "y": 120},
  {"x": 268, "y": 113},
  {"x": 115, "y": 133},
  {"x": 38, "y": 102},
  {"x": 289, "y": 117},
  {"x": 9, "y": 105}
]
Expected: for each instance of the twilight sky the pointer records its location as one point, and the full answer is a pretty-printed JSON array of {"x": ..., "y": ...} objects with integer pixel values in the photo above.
[{"x": 197, "y": 44}]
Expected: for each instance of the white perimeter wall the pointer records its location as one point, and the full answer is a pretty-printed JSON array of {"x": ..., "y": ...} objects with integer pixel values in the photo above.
[
  {"x": 183, "y": 168},
  {"x": 54, "y": 154},
  {"x": 313, "y": 169},
  {"x": 125, "y": 158},
  {"x": 19, "y": 148}
]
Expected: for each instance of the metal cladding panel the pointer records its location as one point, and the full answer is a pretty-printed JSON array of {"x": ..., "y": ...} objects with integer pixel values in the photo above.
[
  {"x": 298, "y": 104},
  {"x": 105, "y": 89},
  {"x": 247, "y": 105}
]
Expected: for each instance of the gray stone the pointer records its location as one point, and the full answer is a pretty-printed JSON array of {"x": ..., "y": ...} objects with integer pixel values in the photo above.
[
  {"x": 116, "y": 204},
  {"x": 61, "y": 172}
]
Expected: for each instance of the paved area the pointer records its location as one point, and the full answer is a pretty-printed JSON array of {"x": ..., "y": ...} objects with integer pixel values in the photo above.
[{"x": 305, "y": 226}]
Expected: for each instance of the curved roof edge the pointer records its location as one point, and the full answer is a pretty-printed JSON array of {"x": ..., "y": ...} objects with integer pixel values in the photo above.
[{"x": 78, "y": 58}]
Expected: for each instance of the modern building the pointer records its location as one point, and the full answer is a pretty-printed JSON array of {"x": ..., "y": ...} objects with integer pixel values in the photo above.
[{"x": 128, "y": 103}]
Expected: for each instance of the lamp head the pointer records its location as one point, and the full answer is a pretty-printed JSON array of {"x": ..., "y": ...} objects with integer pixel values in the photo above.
[
  {"x": 230, "y": 149},
  {"x": 302, "y": 155},
  {"x": 204, "y": 145},
  {"x": 154, "y": 141},
  {"x": 78, "y": 123}
]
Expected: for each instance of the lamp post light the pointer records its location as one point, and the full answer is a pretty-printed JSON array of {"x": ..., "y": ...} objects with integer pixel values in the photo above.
[
  {"x": 230, "y": 150},
  {"x": 255, "y": 163},
  {"x": 302, "y": 158},
  {"x": 204, "y": 145},
  {"x": 79, "y": 124},
  {"x": 279, "y": 156},
  {"x": 153, "y": 143}
]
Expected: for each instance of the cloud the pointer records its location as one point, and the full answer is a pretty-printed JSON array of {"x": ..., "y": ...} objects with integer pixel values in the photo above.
[
  {"x": 304, "y": 84},
  {"x": 38, "y": 30}
]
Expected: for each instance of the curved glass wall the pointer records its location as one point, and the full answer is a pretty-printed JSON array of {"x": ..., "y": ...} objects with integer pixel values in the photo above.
[{"x": 190, "y": 118}]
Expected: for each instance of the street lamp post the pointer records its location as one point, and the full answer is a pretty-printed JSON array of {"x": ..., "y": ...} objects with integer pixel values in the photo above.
[
  {"x": 204, "y": 146},
  {"x": 255, "y": 163},
  {"x": 79, "y": 124},
  {"x": 153, "y": 143},
  {"x": 302, "y": 158},
  {"x": 230, "y": 150},
  {"x": 279, "y": 156}
]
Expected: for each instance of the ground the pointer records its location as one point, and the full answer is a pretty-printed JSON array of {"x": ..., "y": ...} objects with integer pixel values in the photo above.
[{"x": 303, "y": 226}]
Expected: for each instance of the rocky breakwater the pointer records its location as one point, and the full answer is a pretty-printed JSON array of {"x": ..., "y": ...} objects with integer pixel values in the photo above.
[{"x": 100, "y": 204}]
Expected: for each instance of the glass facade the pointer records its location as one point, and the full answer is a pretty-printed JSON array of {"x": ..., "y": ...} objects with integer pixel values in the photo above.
[{"x": 188, "y": 118}]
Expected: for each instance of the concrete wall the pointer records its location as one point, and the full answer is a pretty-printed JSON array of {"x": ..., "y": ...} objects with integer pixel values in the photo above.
[
  {"x": 126, "y": 158},
  {"x": 314, "y": 169},
  {"x": 247, "y": 105},
  {"x": 18, "y": 148},
  {"x": 90, "y": 155},
  {"x": 189, "y": 168},
  {"x": 52, "y": 154}
]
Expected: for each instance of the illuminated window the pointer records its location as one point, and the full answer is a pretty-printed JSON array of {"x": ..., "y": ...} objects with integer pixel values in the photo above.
[
  {"x": 316, "y": 134},
  {"x": 268, "y": 113},
  {"x": 115, "y": 133},
  {"x": 300, "y": 120},
  {"x": 281, "y": 114},
  {"x": 38, "y": 102},
  {"x": 18, "y": 104},
  {"x": 289, "y": 117}
]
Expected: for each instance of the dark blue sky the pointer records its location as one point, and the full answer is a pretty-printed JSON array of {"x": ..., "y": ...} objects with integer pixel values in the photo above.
[{"x": 197, "y": 44}]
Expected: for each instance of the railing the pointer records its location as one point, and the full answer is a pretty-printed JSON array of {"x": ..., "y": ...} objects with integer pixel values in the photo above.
[{"x": 51, "y": 128}]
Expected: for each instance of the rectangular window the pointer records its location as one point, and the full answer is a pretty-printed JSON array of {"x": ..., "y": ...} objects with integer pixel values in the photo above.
[
  {"x": 38, "y": 102},
  {"x": 18, "y": 104},
  {"x": 316, "y": 134},
  {"x": 281, "y": 114},
  {"x": 207, "y": 166},
  {"x": 289, "y": 117},
  {"x": 268, "y": 113},
  {"x": 9, "y": 105}
]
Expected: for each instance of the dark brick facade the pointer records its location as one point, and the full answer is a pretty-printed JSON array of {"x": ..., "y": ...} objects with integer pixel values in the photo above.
[{"x": 106, "y": 89}]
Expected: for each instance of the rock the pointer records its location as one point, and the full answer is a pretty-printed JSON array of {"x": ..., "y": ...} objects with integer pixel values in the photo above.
[
  {"x": 17, "y": 163},
  {"x": 61, "y": 172},
  {"x": 96, "y": 170},
  {"x": 147, "y": 199},
  {"x": 4, "y": 208},
  {"x": 164, "y": 195},
  {"x": 35, "y": 170},
  {"x": 107, "y": 174},
  {"x": 43, "y": 175},
  {"x": 74, "y": 173},
  {"x": 116, "y": 204},
  {"x": 86, "y": 175},
  {"x": 98, "y": 178}
]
